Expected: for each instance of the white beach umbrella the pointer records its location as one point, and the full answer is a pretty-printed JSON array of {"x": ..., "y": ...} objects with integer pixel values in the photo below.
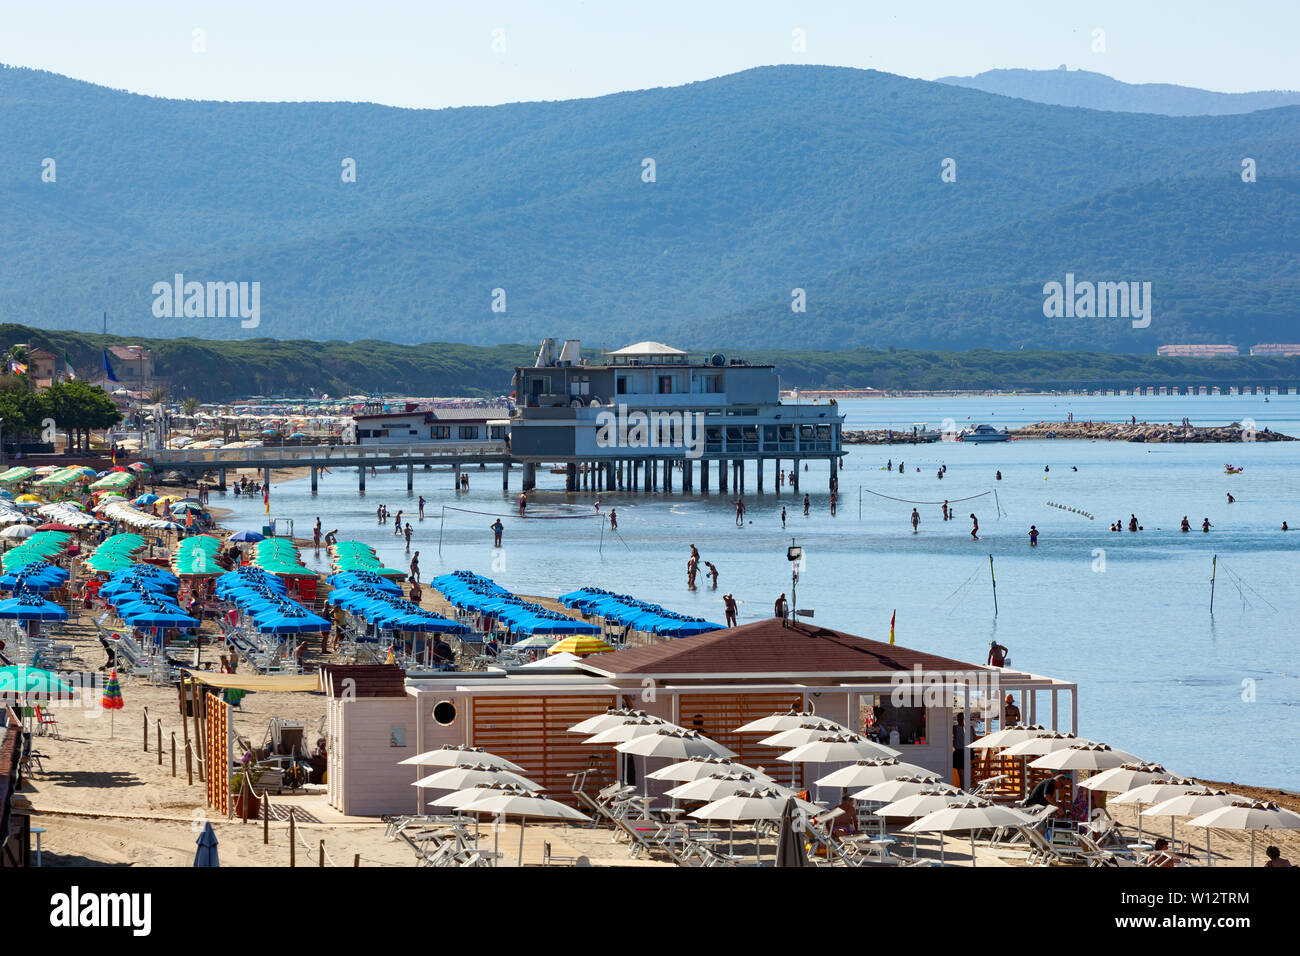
[
  {"x": 1011, "y": 735},
  {"x": 518, "y": 803},
  {"x": 17, "y": 531},
  {"x": 805, "y": 732},
  {"x": 693, "y": 768},
  {"x": 619, "y": 733},
  {"x": 1083, "y": 757},
  {"x": 675, "y": 743},
  {"x": 837, "y": 748},
  {"x": 454, "y": 756},
  {"x": 970, "y": 815},
  {"x": 1193, "y": 802},
  {"x": 1125, "y": 777},
  {"x": 1246, "y": 815},
  {"x": 1152, "y": 792},
  {"x": 922, "y": 803},
  {"x": 892, "y": 790},
  {"x": 717, "y": 786},
  {"x": 611, "y": 718},
  {"x": 777, "y": 722},
  {"x": 765, "y": 803},
  {"x": 458, "y": 778},
  {"x": 1044, "y": 744},
  {"x": 867, "y": 773}
]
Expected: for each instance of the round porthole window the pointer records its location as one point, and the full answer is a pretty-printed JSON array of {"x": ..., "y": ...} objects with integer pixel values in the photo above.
[{"x": 444, "y": 712}]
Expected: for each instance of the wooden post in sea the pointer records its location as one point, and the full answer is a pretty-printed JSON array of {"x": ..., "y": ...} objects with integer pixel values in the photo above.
[
  {"x": 321, "y": 855},
  {"x": 994, "y": 577},
  {"x": 1214, "y": 571},
  {"x": 173, "y": 753}
]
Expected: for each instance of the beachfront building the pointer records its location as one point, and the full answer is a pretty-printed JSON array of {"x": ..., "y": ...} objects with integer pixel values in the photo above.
[
  {"x": 712, "y": 683},
  {"x": 638, "y": 416},
  {"x": 1198, "y": 351},
  {"x": 414, "y": 424}
]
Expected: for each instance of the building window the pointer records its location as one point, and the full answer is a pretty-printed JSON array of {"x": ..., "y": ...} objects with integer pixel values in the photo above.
[
  {"x": 469, "y": 432},
  {"x": 440, "y": 432},
  {"x": 880, "y": 719},
  {"x": 665, "y": 384},
  {"x": 620, "y": 385},
  {"x": 444, "y": 713},
  {"x": 499, "y": 431}
]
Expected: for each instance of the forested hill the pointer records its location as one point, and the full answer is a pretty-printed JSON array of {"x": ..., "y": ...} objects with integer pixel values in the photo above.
[
  {"x": 825, "y": 180},
  {"x": 223, "y": 370}
]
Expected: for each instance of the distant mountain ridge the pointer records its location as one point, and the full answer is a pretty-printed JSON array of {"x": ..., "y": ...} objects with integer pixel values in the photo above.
[
  {"x": 1097, "y": 91},
  {"x": 820, "y": 179}
]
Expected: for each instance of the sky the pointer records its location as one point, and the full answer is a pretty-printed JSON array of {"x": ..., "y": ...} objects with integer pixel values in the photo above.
[{"x": 433, "y": 54}]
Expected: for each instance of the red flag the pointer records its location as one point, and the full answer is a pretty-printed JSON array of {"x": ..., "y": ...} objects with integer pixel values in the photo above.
[
  {"x": 891, "y": 625},
  {"x": 266, "y": 496}
]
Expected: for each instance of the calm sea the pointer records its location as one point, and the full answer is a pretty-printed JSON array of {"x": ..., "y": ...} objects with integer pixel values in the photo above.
[{"x": 1126, "y": 615}]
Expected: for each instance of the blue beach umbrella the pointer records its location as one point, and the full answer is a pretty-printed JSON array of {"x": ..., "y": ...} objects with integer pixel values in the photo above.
[
  {"x": 207, "y": 843},
  {"x": 30, "y": 607}
]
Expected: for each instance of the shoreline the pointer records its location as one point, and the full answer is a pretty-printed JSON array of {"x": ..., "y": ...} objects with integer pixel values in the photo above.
[{"x": 1141, "y": 432}]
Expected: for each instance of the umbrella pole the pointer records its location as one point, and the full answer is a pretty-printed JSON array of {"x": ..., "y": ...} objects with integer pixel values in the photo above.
[
  {"x": 972, "y": 849},
  {"x": 1209, "y": 860},
  {"x": 1252, "y": 847},
  {"x": 522, "y": 823},
  {"x": 1140, "y": 823}
]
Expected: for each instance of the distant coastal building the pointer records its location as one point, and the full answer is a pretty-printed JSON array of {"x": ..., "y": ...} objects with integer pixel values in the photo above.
[
  {"x": 641, "y": 414},
  {"x": 413, "y": 424},
  {"x": 1281, "y": 351},
  {"x": 1199, "y": 351}
]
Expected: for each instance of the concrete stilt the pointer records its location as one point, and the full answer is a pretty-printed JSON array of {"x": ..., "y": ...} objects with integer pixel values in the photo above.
[
  {"x": 266, "y": 476},
  {"x": 759, "y": 466},
  {"x": 361, "y": 478},
  {"x": 221, "y": 479},
  {"x": 704, "y": 476},
  {"x": 505, "y": 476},
  {"x": 530, "y": 476},
  {"x": 688, "y": 476},
  {"x": 410, "y": 476},
  {"x": 835, "y": 479},
  {"x": 722, "y": 475},
  {"x": 315, "y": 473},
  {"x": 571, "y": 476},
  {"x": 794, "y": 474}
]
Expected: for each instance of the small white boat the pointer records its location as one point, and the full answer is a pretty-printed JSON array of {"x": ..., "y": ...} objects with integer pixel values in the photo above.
[{"x": 984, "y": 433}]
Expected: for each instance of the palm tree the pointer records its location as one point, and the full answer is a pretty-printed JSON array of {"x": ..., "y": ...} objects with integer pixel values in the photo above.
[
  {"x": 157, "y": 396},
  {"x": 190, "y": 405}
]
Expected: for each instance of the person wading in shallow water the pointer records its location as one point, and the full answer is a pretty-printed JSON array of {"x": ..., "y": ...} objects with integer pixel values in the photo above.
[{"x": 975, "y": 527}]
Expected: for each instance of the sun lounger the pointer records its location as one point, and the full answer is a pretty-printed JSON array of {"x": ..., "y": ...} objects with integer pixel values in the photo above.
[{"x": 1044, "y": 853}]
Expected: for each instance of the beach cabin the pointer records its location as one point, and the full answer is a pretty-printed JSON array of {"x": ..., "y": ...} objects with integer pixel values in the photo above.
[
  {"x": 413, "y": 424},
  {"x": 712, "y": 683}
]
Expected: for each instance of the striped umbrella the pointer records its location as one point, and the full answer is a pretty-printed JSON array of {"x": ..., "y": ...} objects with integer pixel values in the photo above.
[
  {"x": 112, "y": 699},
  {"x": 580, "y": 644}
]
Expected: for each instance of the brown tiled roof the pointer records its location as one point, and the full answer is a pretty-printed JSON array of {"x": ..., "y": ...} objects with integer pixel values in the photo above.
[
  {"x": 368, "y": 680},
  {"x": 768, "y": 648}
]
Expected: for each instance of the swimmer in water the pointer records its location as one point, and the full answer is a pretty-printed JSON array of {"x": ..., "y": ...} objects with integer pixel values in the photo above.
[
  {"x": 1186, "y": 525},
  {"x": 1033, "y": 536},
  {"x": 916, "y": 521},
  {"x": 1205, "y": 525}
]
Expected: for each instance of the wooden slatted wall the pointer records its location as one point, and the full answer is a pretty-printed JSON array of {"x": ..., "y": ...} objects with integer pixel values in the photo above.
[
  {"x": 533, "y": 732},
  {"x": 216, "y": 753},
  {"x": 718, "y": 715}
]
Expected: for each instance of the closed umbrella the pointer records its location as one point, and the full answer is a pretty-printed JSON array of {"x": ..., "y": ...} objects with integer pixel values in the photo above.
[
  {"x": 790, "y": 851},
  {"x": 112, "y": 700},
  {"x": 207, "y": 852},
  {"x": 1247, "y": 815}
]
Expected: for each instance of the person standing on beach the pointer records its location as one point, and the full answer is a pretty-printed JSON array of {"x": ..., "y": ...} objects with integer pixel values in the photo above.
[
  {"x": 740, "y": 514},
  {"x": 783, "y": 517},
  {"x": 916, "y": 521},
  {"x": 523, "y": 503},
  {"x": 415, "y": 568},
  {"x": 613, "y": 520},
  {"x": 729, "y": 606},
  {"x": 497, "y": 528},
  {"x": 397, "y": 528},
  {"x": 408, "y": 536},
  {"x": 421, "y": 507},
  {"x": 974, "y": 527}
]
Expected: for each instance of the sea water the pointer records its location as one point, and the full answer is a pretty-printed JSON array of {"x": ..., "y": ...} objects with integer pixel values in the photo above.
[{"x": 1125, "y": 615}]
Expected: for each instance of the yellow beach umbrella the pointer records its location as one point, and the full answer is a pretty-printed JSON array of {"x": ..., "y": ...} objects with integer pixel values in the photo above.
[
  {"x": 580, "y": 644},
  {"x": 37, "y": 498}
]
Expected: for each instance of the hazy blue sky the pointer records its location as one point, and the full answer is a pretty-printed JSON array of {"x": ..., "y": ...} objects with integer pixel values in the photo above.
[{"x": 429, "y": 53}]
